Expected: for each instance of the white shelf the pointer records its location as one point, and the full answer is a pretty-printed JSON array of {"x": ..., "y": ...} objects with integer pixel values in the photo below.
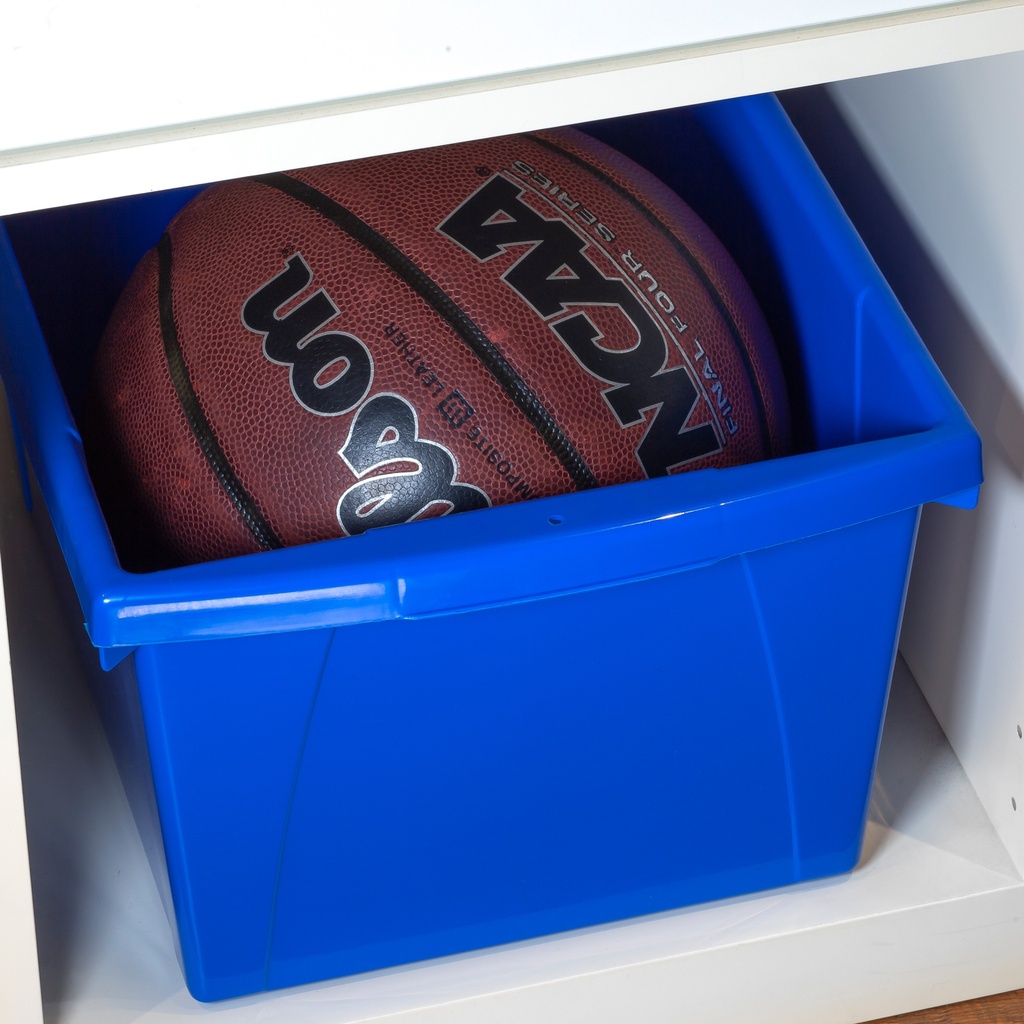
[
  {"x": 118, "y": 101},
  {"x": 112, "y": 99},
  {"x": 134, "y": 69},
  {"x": 19, "y": 974},
  {"x": 934, "y": 912}
]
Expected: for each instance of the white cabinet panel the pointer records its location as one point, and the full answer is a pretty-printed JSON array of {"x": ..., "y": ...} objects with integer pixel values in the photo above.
[
  {"x": 19, "y": 970},
  {"x": 949, "y": 144},
  {"x": 114, "y": 103},
  {"x": 111, "y": 66},
  {"x": 114, "y": 97}
]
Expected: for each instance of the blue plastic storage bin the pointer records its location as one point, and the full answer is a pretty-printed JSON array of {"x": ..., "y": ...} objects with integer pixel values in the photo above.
[{"x": 472, "y": 730}]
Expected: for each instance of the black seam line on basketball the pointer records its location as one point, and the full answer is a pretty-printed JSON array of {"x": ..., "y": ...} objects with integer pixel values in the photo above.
[
  {"x": 694, "y": 264},
  {"x": 485, "y": 350},
  {"x": 194, "y": 415}
]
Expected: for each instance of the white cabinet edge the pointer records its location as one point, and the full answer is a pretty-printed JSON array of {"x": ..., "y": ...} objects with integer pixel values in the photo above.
[
  {"x": 166, "y": 157},
  {"x": 20, "y": 1002},
  {"x": 83, "y": 70}
]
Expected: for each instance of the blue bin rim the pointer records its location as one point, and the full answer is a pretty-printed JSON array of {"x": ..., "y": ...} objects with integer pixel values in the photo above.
[{"x": 522, "y": 552}]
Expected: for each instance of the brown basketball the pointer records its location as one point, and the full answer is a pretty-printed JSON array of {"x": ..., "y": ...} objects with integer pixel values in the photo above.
[{"x": 313, "y": 354}]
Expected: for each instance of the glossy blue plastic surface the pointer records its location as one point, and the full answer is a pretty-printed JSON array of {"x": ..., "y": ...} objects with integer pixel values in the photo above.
[{"x": 443, "y": 736}]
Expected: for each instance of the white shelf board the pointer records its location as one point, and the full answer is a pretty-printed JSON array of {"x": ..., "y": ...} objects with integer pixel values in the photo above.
[
  {"x": 119, "y": 101},
  {"x": 19, "y": 969},
  {"x": 135, "y": 66},
  {"x": 934, "y": 912}
]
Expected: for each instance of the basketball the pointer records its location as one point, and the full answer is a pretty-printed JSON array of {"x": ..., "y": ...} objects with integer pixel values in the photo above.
[{"x": 314, "y": 354}]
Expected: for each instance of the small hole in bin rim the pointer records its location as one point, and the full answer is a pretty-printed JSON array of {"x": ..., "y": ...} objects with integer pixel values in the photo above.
[{"x": 556, "y": 520}]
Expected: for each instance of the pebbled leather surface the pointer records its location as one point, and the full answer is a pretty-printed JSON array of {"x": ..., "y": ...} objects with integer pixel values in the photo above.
[{"x": 234, "y": 238}]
